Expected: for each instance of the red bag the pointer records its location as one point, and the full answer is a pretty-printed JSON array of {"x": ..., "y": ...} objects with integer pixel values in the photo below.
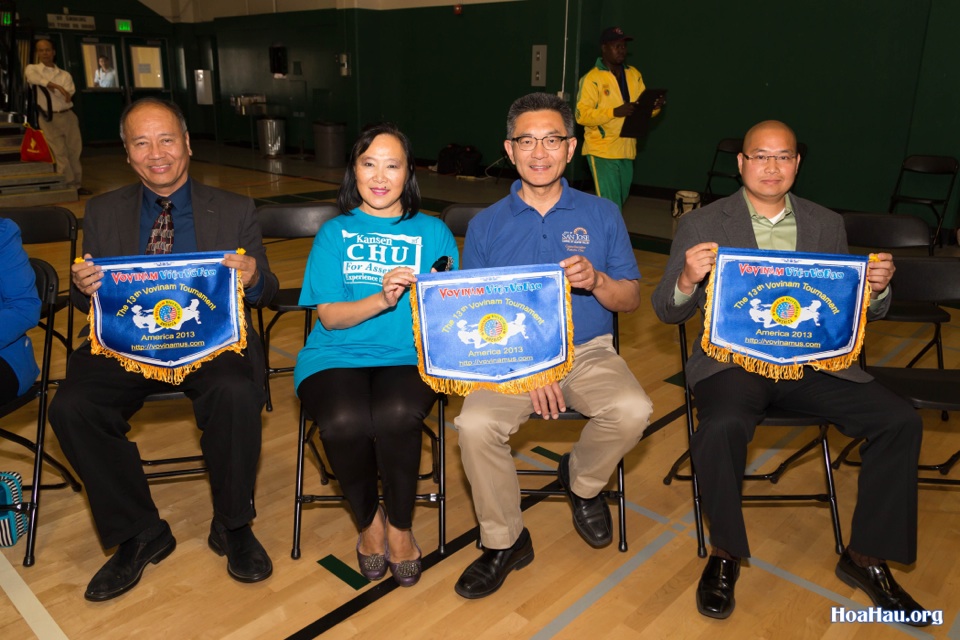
[{"x": 34, "y": 147}]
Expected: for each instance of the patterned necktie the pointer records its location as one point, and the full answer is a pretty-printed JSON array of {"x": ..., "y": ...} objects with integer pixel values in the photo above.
[{"x": 161, "y": 235}]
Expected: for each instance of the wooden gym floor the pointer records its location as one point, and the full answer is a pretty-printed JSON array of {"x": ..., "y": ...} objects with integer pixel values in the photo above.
[{"x": 570, "y": 591}]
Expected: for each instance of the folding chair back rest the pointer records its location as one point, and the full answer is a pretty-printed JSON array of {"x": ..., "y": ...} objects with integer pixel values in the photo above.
[
  {"x": 886, "y": 231},
  {"x": 40, "y": 225},
  {"x": 927, "y": 279},
  {"x": 458, "y": 216},
  {"x": 294, "y": 220},
  {"x": 288, "y": 221},
  {"x": 723, "y": 166}
]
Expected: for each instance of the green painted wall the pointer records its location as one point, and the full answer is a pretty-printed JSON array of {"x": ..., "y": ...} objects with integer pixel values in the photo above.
[
  {"x": 864, "y": 84},
  {"x": 842, "y": 74}
]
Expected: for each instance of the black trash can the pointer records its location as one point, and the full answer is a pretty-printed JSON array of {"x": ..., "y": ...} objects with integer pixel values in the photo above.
[
  {"x": 330, "y": 143},
  {"x": 271, "y": 136}
]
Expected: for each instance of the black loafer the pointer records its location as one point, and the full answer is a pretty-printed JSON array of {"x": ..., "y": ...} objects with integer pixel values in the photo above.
[
  {"x": 247, "y": 560},
  {"x": 591, "y": 516},
  {"x": 487, "y": 573},
  {"x": 122, "y": 571},
  {"x": 878, "y": 583},
  {"x": 715, "y": 590}
]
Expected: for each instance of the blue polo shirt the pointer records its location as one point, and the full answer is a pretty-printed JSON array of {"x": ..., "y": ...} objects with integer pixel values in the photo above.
[{"x": 511, "y": 232}]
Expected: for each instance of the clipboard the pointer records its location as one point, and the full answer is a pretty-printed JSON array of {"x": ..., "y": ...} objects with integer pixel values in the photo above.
[{"x": 637, "y": 124}]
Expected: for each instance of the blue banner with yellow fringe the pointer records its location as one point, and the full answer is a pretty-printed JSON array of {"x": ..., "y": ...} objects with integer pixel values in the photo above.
[
  {"x": 774, "y": 312},
  {"x": 507, "y": 329},
  {"x": 164, "y": 316}
]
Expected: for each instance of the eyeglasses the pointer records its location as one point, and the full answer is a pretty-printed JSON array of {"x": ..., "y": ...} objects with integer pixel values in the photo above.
[
  {"x": 529, "y": 143},
  {"x": 762, "y": 158}
]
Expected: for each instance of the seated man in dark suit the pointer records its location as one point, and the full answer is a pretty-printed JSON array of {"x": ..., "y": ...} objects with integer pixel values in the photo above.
[
  {"x": 166, "y": 212},
  {"x": 731, "y": 401}
]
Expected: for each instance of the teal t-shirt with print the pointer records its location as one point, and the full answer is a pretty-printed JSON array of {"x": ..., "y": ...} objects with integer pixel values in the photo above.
[{"x": 350, "y": 255}]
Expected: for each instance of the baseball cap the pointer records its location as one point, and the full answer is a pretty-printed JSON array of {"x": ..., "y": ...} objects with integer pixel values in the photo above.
[{"x": 613, "y": 34}]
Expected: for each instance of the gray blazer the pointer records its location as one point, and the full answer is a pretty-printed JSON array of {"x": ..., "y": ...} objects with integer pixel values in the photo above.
[
  {"x": 223, "y": 221},
  {"x": 727, "y": 222}
]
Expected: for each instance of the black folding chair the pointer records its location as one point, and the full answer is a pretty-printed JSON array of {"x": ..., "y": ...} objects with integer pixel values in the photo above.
[
  {"x": 617, "y": 495},
  {"x": 458, "y": 216},
  {"x": 932, "y": 193},
  {"x": 40, "y": 225},
  {"x": 47, "y": 285},
  {"x": 896, "y": 233},
  {"x": 724, "y": 167},
  {"x": 287, "y": 222},
  {"x": 775, "y": 418},
  {"x": 922, "y": 279},
  {"x": 309, "y": 438}
]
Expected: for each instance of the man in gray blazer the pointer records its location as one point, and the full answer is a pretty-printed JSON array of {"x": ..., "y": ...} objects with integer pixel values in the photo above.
[
  {"x": 731, "y": 401},
  {"x": 90, "y": 410}
]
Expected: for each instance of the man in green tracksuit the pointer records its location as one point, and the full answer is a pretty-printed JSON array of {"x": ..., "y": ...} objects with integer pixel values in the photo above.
[{"x": 605, "y": 98}]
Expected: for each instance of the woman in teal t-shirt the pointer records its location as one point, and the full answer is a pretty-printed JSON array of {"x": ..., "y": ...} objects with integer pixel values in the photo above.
[{"x": 357, "y": 375}]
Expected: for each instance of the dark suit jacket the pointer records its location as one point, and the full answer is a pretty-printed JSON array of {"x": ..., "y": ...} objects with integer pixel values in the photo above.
[
  {"x": 223, "y": 221},
  {"x": 727, "y": 222}
]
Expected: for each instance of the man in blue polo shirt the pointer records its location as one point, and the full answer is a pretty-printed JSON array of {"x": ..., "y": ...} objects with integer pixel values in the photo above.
[{"x": 544, "y": 220}]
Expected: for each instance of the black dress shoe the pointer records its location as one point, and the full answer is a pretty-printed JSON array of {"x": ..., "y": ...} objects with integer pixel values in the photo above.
[
  {"x": 878, "y": 583},
  {"x": 122, "y": 572},
  {"x": 84, "y": 192},
  {"x": 591, "y": 516},
  {"x": 247, "y": 560},
  {"x": 487, "y": 573},
  {"x": 715, "y": 590}
]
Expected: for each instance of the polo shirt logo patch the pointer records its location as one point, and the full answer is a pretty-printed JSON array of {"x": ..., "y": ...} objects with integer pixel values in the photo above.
[{"x": 575, "y": 241}]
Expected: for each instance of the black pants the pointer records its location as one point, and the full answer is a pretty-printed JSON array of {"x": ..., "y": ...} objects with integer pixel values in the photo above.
[
  {"x": 732, "y": 402},
  {"x": 89, "y": 414},
  {"x": 9, "y": 385},
  {"x": 370, "y": 423}
]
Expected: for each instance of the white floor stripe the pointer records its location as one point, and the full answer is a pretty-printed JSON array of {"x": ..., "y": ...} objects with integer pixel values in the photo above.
[{"x": 34, "y": 614}]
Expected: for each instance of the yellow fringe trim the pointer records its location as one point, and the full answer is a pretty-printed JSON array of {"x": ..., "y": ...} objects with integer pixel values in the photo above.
[
  {"x": 784, "y": 371},
  {"x": 171, "y": 375},
  {"x": 521, "y": 385}
]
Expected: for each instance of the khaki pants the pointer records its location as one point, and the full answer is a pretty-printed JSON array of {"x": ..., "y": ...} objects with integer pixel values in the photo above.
[
  {"x": 600, "y": 385},
  {"x": 63, "y": 136}
]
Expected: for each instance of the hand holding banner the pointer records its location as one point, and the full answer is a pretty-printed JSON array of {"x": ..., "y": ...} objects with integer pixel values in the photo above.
[
  {"x": 775, "y": 311},
  {"x": 506, "y": 329},
  {"x": 164, "y": 316}
]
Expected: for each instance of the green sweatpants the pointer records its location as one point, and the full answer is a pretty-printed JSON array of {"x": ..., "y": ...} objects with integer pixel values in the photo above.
[{"x": 612, "y": 178}]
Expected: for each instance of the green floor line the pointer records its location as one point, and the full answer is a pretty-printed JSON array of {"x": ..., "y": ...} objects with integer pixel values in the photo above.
[
  {"x": 335, "y": 566},
  {"x": 546, "y": 453}
]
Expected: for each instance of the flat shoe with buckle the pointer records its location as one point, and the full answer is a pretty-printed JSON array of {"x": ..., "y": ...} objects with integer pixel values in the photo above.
[
  {"x": 247, "y": 560},
  {"x": 878, "y": 583},
  {"x": 123, "y": 570},
  {"x": 591, "y": 516},
  {"x": 374, "y": 566},
  {"x": 715, "y": 589},
  {"x": 407, "y": 572},
  {"x": 487, "y": 573}
]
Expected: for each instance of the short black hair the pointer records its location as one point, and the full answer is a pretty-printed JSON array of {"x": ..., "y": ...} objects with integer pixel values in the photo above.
[
  {"x": 539, "y": 102},
  {"x": 163, "y": 104},
  {"x": 348, "y": 197}
]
